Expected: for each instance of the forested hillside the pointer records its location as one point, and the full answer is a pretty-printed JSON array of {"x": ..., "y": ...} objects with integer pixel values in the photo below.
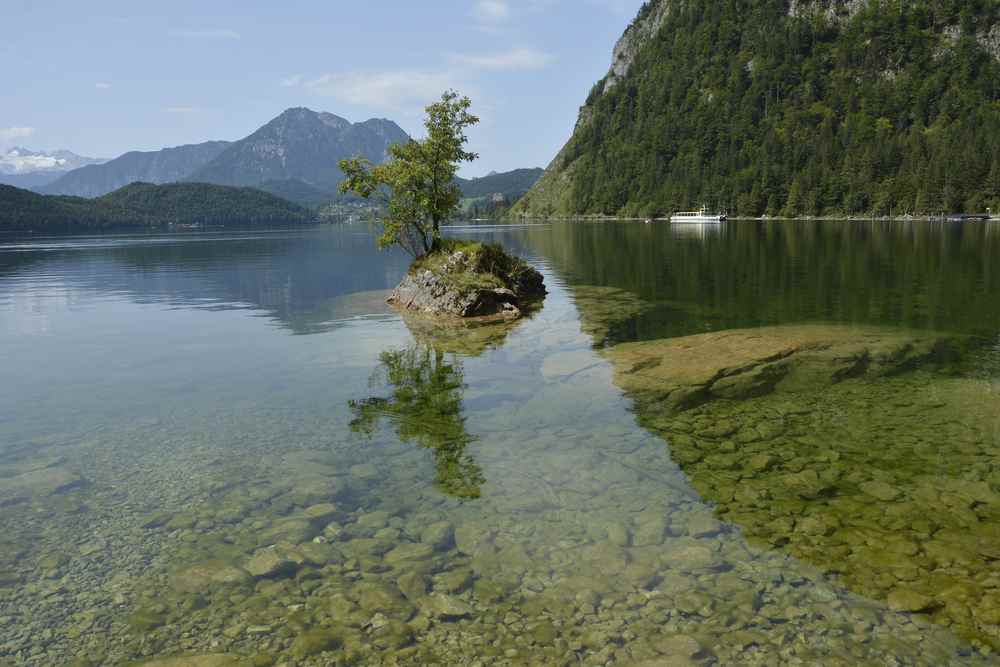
[
  {"x": 790, "y": 107},
  {"x": 146, "y": 205}
]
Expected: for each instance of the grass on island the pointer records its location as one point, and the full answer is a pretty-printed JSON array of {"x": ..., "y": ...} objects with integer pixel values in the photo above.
[{"x": 487, "y": 266}]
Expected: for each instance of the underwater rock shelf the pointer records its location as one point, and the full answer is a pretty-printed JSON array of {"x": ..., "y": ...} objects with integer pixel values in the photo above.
[
  {"x": 864, "y": 451},
  {"x": 744, "y": 363}
]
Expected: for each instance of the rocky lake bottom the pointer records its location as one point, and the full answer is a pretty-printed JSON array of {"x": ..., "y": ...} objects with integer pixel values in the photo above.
[{"x": 392, "y": 492}]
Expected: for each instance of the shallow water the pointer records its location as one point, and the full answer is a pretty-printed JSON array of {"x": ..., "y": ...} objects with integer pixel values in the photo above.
[{"x": 225, "y": 444}]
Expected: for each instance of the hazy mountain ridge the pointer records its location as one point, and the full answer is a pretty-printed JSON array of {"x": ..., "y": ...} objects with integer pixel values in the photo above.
[
  {"x": 294, "y": 154},
  {"x": 163, "y": 166},
  {"x": 512, "y": 184},
  {"x": 35, "y": 180},
  {"x": 300, "y": 145},
  {"x": 789, "y": 107}
]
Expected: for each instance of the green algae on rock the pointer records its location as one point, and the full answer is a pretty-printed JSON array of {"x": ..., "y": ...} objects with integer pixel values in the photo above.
[
  {"x": 744, "y": 363},
  {"x": 210, "y": 660}
]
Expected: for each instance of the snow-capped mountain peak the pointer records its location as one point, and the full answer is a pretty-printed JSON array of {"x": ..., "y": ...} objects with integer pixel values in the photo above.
[{"x": 20, "y": 160}]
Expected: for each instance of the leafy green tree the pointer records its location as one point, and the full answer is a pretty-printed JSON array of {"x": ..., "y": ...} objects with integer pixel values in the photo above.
[{"x": 417, "y": 183}]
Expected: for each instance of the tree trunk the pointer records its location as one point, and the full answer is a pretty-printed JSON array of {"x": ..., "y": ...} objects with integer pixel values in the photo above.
[{"x": 436, "y": 234}]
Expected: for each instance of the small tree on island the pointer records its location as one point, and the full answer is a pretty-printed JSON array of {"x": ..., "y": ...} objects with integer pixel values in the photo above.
[{"x": 417, "y": 183}]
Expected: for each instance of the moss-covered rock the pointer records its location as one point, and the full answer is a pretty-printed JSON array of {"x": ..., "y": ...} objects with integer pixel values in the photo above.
[
  {"x": 316, "y": 641},
  {"x": 463, "y": 279},
  {"x": 212, "y": 660}
]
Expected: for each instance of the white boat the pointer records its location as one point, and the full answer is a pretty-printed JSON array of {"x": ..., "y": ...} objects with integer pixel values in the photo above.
[{"x": 698, "y": 216}]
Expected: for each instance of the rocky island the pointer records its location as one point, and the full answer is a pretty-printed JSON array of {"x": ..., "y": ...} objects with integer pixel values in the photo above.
[
  {"x": 418, "y": 191},
  {"x": 465, "y": 279}
]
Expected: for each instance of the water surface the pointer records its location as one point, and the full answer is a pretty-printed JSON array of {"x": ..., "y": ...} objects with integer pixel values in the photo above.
[{"x": 227, "y": 444}]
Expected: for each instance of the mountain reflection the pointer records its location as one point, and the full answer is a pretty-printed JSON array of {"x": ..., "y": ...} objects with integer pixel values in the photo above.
[{"x": 300, "y": 279}]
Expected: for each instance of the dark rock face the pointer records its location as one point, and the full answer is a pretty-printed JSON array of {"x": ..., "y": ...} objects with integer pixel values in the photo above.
[{"x": 459, "y": 287}]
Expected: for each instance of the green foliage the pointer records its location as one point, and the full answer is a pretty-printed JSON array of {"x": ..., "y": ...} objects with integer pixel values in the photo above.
[
  {"x": 425, "y": 407},
  {"x": 739, "y": 105},
  {"x": 418, "y": 182},
  {"x": 146, "y": 205}
]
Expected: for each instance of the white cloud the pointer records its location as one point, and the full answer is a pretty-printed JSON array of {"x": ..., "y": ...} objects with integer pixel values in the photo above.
[
  {"x": 15, "y": 133},
  {"x": 102, "y": 85},
  {"x": 180, "y": 110},
  {"x": 207, "y": 34},
  {"x": 492, "y": 11},
  {"x": 393, "y": 90},
  {"x": 292, "y": 81},
  {"x": 515, "y": 59}
]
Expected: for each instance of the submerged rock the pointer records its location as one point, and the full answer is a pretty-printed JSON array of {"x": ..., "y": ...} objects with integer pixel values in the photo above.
[
  {"x": 469, "y": 280},
  {"x": 906, "y": 600},
  {"x": 439, "y": 535},
  {"x": 203, "y": 576},
  {"x": 212, "y": 660},
  {"x": 409, "y": 552},
  {"x": 446, "y": 606},
  {"x": 314, "y": 642},
  {"x": 268, "y": 563}
]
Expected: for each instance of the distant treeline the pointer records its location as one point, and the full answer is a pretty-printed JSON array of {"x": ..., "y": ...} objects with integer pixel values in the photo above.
[{"x": 146, "y": 205}]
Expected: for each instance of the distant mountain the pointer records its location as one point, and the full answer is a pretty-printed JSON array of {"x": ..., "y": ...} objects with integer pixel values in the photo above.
[
  {"x": 19, "y": 161},
  {"x": 299, "y": 192},
  {"x": 147, "y": 205},
  {"x": 294, "y": 156},
  {"x": 25, "y": 168},
  {"x": 492, "y": 196},
  {"x": 36, "y": 180},
  {"x": 301, "y": 145},
  {"x": 163, "y": 166},
  {"x": 512, "y": 184}
]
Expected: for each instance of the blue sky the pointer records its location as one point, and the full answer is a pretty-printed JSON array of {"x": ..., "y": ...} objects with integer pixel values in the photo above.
[{"x": 107, "y": 76}]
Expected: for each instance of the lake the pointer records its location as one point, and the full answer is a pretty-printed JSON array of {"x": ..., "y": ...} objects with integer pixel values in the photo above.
[{"x": 751, "y": 443}]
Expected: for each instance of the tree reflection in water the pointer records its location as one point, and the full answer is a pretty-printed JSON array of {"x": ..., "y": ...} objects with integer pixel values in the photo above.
[{"x": 425, "y": 407}]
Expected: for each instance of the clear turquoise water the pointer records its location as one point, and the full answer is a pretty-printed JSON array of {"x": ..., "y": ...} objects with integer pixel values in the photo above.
[{"x": 176, "y": 402}]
